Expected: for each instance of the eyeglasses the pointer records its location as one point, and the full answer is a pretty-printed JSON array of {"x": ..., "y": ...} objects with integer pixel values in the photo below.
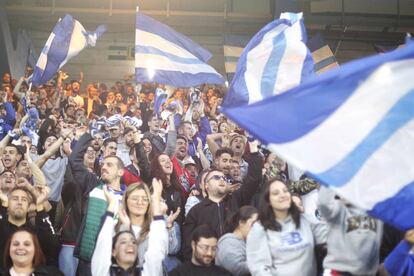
[
  {"x": 140, "y": 198},
  {"x": 207, "y": 248},
  {"x": 217, "y": 177}
]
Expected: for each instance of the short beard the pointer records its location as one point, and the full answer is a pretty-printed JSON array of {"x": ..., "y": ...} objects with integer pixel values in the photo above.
[
  {"x": 200, "y": 260},
  {"x": 19, "y": 215}
]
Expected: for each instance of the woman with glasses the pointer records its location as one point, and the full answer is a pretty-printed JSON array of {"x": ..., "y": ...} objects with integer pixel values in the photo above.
[
  {"x": 282, "y": 241},
  {"x": 141, "y": 245},
  {"x": 136, "y": 217}
]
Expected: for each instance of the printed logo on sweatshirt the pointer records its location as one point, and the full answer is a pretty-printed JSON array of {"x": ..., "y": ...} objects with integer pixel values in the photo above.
[
  {"x": 292, "y": 241},
  {"x": 291, "y": 238},
  {"x": 361, "y": 222}
]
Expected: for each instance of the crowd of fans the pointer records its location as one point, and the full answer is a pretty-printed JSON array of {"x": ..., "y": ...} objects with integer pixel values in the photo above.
[{"x": 94, "y": 181}]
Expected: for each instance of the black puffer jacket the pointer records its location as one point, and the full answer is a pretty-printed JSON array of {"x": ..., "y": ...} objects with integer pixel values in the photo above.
[
  {"x": 215, "y": 214},
  {"x": 78, "y": 182}
]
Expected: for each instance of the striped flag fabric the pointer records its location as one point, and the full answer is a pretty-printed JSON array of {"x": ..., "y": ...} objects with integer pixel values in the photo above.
[
  {"x": 352, "y": 129},
  {"x": 67, "y": 39},
  {"x": 233, "y": 48},
  {"x": 323, "y": 57},
  {"x": 275, "y": 60},
  {"x": 165, "y": 56}
]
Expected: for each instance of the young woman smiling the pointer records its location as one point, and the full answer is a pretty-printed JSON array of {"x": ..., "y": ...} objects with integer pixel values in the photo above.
[
  {"x": 282, "y": 241},
  {"x": 23, "y": 256}
]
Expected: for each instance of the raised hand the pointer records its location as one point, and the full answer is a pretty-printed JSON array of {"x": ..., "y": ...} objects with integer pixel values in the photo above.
[
  {"x": 22, "y": 182},
  {"x": 65, "y": 131},
  {"x": 194, "y": 192},
  {"x": 233, "y": 187},
  {"x": 172, "y": 217},
  {"x": 225, "y": 140},
  {"x": 123, "y": 217},
  {"x": 18, "y": 131},
  {"x": 156, "y": 197},
  {"x": 201, "y": 108},
  {"x": 110, "y": 198},
  {"x": 3, "y": 198},
  {"x": 42, "y": 194},
  {"x": 199, "y": 145},
  {"x": 3, "y": 96}
]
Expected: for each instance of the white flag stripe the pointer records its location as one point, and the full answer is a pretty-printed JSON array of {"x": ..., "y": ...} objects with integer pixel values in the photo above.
[
  {"x": 384, "y": 184},
  {"x": 147, "y": 39},
  {"x": 42, "y": 61},
  {"x": 157, "y": 62},
  {"x": 292, "y": 60},
  {"x": 77, "y": 42},
  {"x": 257, "y": 59},
  {"x": 353, "y": 120}
]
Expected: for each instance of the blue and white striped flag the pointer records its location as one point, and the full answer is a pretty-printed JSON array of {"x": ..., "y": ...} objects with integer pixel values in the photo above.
[
  {"x": 350, "y": 128},
  {"x": 165, "y": 56},
  {"x": 275, "y": 60},
  {"x": 67, "y": 39}
]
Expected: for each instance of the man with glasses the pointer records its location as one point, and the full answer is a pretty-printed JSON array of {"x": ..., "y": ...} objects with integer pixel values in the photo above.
[
  {"x": 221, "y": 200},
  {"x": 204, "y": 246}
]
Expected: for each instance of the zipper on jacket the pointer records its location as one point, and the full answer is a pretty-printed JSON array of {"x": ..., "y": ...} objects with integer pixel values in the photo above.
[{"x": 219, "y": 214}]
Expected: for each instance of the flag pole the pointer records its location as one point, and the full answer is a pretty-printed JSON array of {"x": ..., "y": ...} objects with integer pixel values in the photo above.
[{"x": 137, "y": 86}]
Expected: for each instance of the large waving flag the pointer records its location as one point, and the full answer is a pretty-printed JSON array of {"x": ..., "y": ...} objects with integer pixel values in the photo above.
[
  {"x": 351, "y": 128},
  {"x": 233, "y": 48},
  {"x": 322, "y": 54},
  {"x": 275, "y": 60},
  {"x": 165, "y": 56},
  {"x": 67, "y": 39}
]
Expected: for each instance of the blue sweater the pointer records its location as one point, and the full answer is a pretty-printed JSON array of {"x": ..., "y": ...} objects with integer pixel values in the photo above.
[
  {"x": 400, "y": 262},
  {"x": 7, "y": 122}
]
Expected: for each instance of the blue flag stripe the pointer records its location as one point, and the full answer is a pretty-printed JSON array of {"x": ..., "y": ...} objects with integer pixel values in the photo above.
[
  {"x": 273, "y": 61},
  {"x": 398, "y": 210},
  {"x": 310, "y": 97},
  {"x": 155, "y": 51},
  {"x": 67, "y": 39},
  {"x": 168, "y": 57},
  {"x": 401, "y": 113},
  {"x": 180, "y": 79},
  {"x": 272, "y": 66},
  {"x": 60, "y": 44},
  {"x": 151, "y": 25},
  {"x": 348, "y": 131}
]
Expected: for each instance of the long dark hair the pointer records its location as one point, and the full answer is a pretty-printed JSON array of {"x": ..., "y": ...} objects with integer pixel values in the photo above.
[
  {"x": 266, "y": 215},
  {"x": 242, "y": 214},
  {"x": 38, "y": 258},
  {"x": 157, "y": 172},
  {"x": 114, "y": 241}
]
